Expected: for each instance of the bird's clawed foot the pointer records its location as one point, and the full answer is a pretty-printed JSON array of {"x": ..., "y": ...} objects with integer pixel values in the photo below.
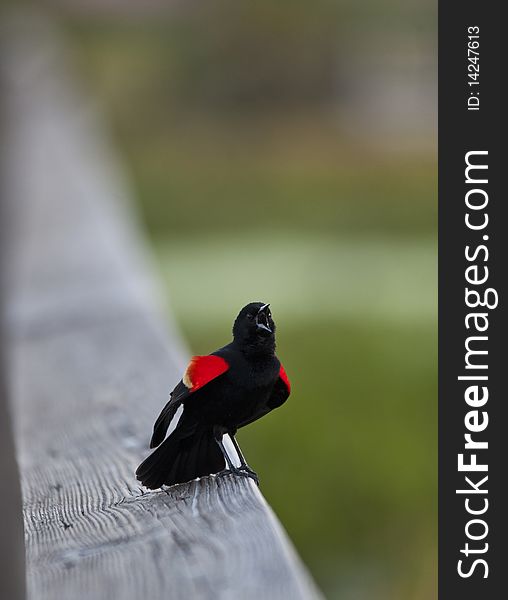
[
  {"x": 243, "y": 470},
  {"x": 249, "y": 472},
  {"x": 240, "y": 472}
]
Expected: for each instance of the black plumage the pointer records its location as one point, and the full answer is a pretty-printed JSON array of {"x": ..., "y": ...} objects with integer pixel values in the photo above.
[{"x": 220, "y": 393}]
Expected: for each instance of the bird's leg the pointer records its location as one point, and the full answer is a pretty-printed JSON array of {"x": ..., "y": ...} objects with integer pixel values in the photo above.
[
  {"x": 243, "y": 463},
  {"x": 231, "y": 468}
]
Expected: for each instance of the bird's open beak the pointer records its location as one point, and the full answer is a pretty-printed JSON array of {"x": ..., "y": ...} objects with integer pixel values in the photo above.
[{"x": 262, "y": 319}]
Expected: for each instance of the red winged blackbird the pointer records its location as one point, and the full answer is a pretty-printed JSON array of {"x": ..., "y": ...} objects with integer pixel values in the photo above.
[{"x": 220, "y": 393}]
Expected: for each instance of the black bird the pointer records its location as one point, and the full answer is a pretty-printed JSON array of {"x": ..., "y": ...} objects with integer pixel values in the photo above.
[{"x": 220, "y": 393}]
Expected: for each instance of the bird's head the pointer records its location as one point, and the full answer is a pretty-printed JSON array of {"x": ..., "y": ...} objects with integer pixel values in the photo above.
[{"x": 254, "y": 327}]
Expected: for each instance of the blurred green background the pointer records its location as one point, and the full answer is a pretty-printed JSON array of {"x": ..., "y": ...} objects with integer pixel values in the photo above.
[{"x": 285, "y": 152}]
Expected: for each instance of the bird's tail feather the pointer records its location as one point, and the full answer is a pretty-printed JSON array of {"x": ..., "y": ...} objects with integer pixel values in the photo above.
[{"x": 181, "y": 457}]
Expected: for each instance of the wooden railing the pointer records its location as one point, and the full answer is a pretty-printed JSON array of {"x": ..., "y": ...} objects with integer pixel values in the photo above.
[{"x": 89, "y": 363}]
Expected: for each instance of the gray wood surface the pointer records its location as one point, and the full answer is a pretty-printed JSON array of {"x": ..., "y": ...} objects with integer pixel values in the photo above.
[
  {"x": 90, "y": 364},
  {"x": 12, "y": 563}
]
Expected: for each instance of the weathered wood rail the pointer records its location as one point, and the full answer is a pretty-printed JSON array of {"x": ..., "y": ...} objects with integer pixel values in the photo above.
[{"x": 89, "y": 364}]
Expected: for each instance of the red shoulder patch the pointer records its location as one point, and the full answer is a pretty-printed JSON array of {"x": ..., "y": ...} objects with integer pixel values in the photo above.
[
  {"x": 202, "y": 369},
  {"x": 284, "y": 377}
]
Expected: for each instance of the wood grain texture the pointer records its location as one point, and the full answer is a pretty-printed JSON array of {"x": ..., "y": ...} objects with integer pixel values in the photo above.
[
  {"x": 90, "y": 366},
  {"x": 12, "y": 560}
]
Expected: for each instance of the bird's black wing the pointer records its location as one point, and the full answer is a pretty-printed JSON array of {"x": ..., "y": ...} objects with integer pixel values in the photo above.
[
  {"x": 279, "y": 395},
  {"x": 201, "y": 370},
  {"x": 167, "y": 413}
]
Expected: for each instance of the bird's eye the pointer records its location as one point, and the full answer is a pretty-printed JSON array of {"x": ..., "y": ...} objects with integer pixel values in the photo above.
[{"x": 249, "y": 316}]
